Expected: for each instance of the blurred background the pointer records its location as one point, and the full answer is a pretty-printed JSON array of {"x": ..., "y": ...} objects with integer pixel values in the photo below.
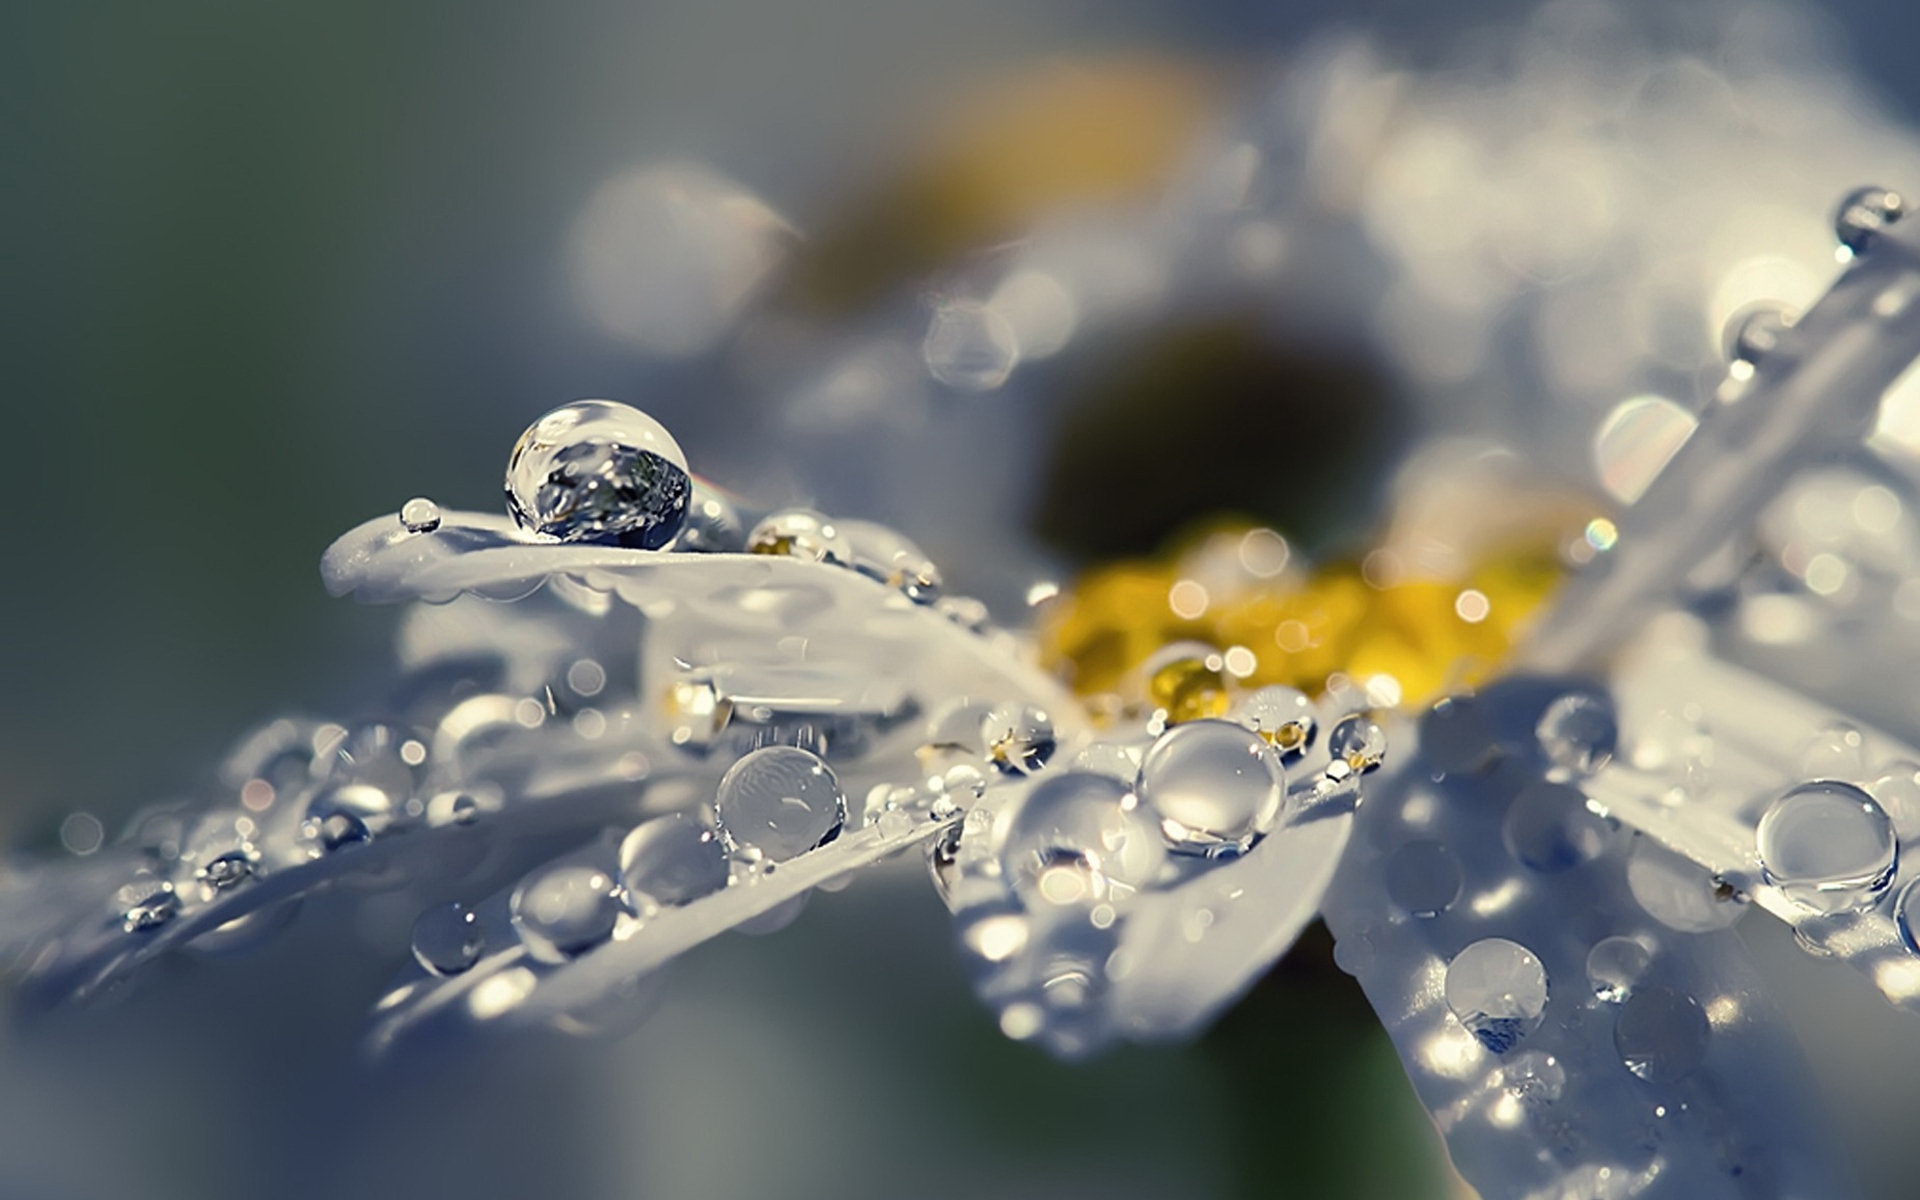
[{"x": 273, "y": 269}]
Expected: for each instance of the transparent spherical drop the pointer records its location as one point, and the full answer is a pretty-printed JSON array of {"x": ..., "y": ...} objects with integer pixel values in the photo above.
[
  {"x": 148, "y": 904},
  {"x": 1677, "y": 892},
  {"x": 1615, "y": 966},
  {"x": 887, "y": 556},
  {"x": 563, "y": 909},
  {"x": 965, "y": 611},
  {"x": 378, "y": 754},
  {"x": 1838, "y": 751},
  {"x": 1076, "y": 839},
  {"x": 1549, "y": 827},
  {"x": 1358, "y": 741},
  {"x": 1906, "y": 914},
  {"x": 1828, "y": 846},
  {"x": 713, "y": 524},
  {"x": 1215, "y": 786},
  {"x": 1284, "y": 716},
  {"x": 1498, "y": 990},
  {"x": 447, "y": 939},
  {"x": 672, "y": 859},
  {"x": 696, "y": 711},
  {"x": 1897, "y": 789},
  {"x": 800, "y": 533},
  {"x": 780, "y": 801},
  {"x": 599, "y": 471},
  {"x": 1018, "y": 737},
  {"x": 453, "y": 808},
  {"x": 1661, "y": 1034},
  {"x": 228, "y": 869},
  {"x": 1423, "y": 877},
  {"x": 943, "y": 863},
  {"x": 1863, "y": 213},
  {"x": 1578, "y": 733},
  {"x": 345, "y": 814},
  {"x": 970, "y": 346},
  {"x": 420, "y": 515},
  {"x": 1755, "y": 332},
  {"x": 1188, "y": 682},
  {"x": 1535, "y": 1076}
]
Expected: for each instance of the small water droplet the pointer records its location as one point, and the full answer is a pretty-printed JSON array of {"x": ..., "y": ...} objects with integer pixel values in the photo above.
[
  {"x": 887, "y": 556},
  {"x": 563, "y": 909},
  {"x": 781, "y": 801},
  {"x": 420, "y": 515},
  {"x": 1018, "y": 737},
  {"x": 1828, "y": 846},
  {"x": 671, "y": 859},
  {"x": 1661, "y": 1035},
  {"x": 1216, "y": 787},
  {"x": 1423, "y": 877},
  {"x": 1358, "y": 741},
  {"x": 1837, "y": 752},
  {"x": 1615, "y": 966},
  {"x": 345, "y": 814},
  {"x": 453, "y": 808},
  {"x": 1863, "y": 213},
  {"x": 1535, "y": 1076},
  {"x": 1498, "y": 990},
  {"x": 599, "y": 471},
  {"x": 800, "y": 533},
  {"x": 227, "y": 869},
  {"x": 1578, "y": 733},
  {"x": 447, "y": 939},
  {"x": 1755, "y": 332},
  {"x": 1188, "y": 682},
  {"x": 1075, "y": 839},
  {"x": 970, "y": 346},
  {"x": 1550, "y": 828},
  {"x": 1284, "y": 716},
  {"x": 1456, "y": 738},
  {"x": 943, "y": 854},
  {"x": 147, "y": 905}
]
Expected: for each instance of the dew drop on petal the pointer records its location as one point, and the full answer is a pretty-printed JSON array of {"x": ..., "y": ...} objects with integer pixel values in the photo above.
[
  {"x": 1498, "y": 990},
  {"x": 563, "y": 909},
  {"x": 672, "y": 859},
  {"x": 1863, "y": 213},
  {"x": 1549, "y": 827},
  {"x": 800, "y": 533},
  {"x": 1284, "y": 716},
  {"x": 1906, "y": 913},
  {"x": 1215, "y": 786},
  {"x": 970, "y": 346},
  {"x": 1018, "y": 737},
  {"x": 1076, "y": 840},
  {"x": 1578, "y": 733},
  {"x": 599, "y": 471},
  {"x": 1535, "y": 1076},
  {"x": 780, "y": 801},
  {"x": 1615, "y": 965},
  {"x": 1828, "y": 846},
  {"x": 147, "y": 905},
  {"x": 447, "y": 939},
  {"x": 1358, "y": 741},
  {"x": 420, "y": 515}
]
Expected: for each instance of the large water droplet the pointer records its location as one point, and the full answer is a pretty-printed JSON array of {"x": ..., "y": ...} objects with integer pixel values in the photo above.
[
  {"x": 1828, "y": 846},
  {"x": 1635, "y": 443},
  {"x": 672, "y": 859},
  {"x": 1019, "y": 737},
  {"x": 447, "y": 939},
  {"x": 1661, "y": 1034},
  {"x": 599, "y": 471},
  {"x": 1578, "y": 733},
  {"x": 1863, "y": 213},
  {"x": 1284, "y": 716},
  {"x": 800, "y": 533},
  {"x": 1677, "y": 892},
  {"x": 1358, "y": 741},
  {"x": 563, "y": 909},
  {"x": 1075, "y": 839},
  {"x": 1423, "y": 877},
  {"x": 781, "y": 801},
  {"x": 1498, "y": 990},
  {"x": 1615, "y": 965},
  {"x": 1548, "y": 827},
  {"x": 970, "y": 346},
  {"x": 1216, "y": 787}
]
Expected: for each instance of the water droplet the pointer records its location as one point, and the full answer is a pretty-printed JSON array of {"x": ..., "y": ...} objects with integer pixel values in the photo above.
[
  {"x": 1836, "y": 752},
  {"x": 1076, "y": 840},
  {"x": 781, "y": 801},
  {"x": 696, "y": 711},
  {"x": 1635, "y": 443},
  {"x": 227, "y": 869},
  {"x": 1188, "y": 682},
  {"x": 672, "y": 859},
  {"x": 420, "y": 515},
  {"x": 1897, "y": 788},
  {"x": 345, "y": 814},
  {"x": 1863, "y": 213},
  {"x": 379, "y": 754},
  {"x": 1615, "y": 966},
  {"x": 447, "y": 939},
  {"x": 1535, "y": 1076},
  {"x": 1215, "y": 786},
  {"x": 1498, "y": 990},
  {"x": 599, "y": 471},
  {"x": 1550, "y": 828},
  {"x": 800, "y": 533},
  {"x": 453, "y": 808},
  {"x": 1284, "y": 716},
  {"x": 713, "y": 524},
  {"x": 1423, "y": 877},
  {"x": 1828, "y": 846},
  {"x": 1456, "y": 738},
  {"x": 1906, "y": 911},
  {"x": 1661, "y": 1034},
  {"x": 1578, "y": 733},
  {"x": 147, "y": 904},
  {"x": 1755, "y": 332},
  {"x": 563, "y": 909},
  {"x": 1677, "y": 892},
  {"x": 970, "y": 346},
  {"x": 1358, "y": 741},
  {"x": 943, "y": 863},
  {"x": 1019, "y": 737},
  {"x": 886, "y": 555},
  {"x": 965, "y": 611}
]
